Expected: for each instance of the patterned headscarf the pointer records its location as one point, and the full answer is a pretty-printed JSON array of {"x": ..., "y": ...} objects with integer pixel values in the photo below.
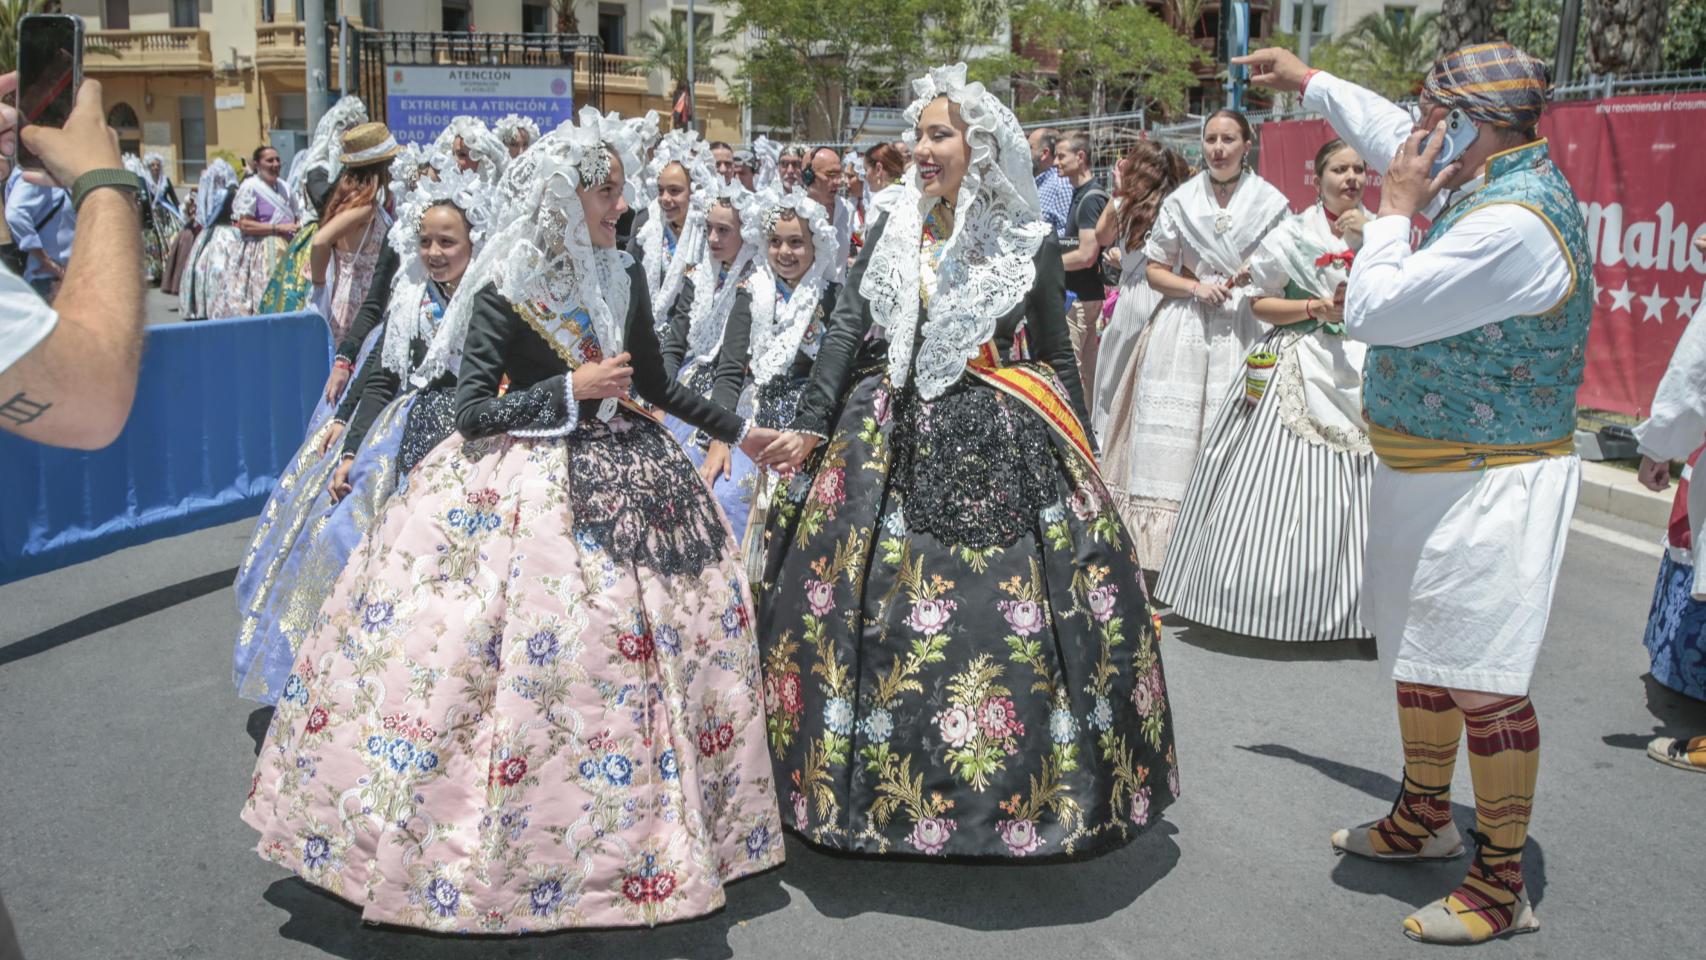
[{"x": 1493, "y": 83}]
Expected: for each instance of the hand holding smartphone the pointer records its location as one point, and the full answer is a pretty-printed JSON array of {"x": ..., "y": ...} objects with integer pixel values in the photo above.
[
  {"x": 58, "y": 129},
  {"x": 1460, "y": 132},
  {"x": 50, "y": 69}
]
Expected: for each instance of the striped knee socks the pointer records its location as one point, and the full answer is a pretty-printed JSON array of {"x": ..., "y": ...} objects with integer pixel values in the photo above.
[{"x": 1431, "y": 726}]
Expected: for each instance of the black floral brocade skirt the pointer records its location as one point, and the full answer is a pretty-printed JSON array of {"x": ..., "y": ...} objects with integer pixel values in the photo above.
[{"x": 959, "y": 656}]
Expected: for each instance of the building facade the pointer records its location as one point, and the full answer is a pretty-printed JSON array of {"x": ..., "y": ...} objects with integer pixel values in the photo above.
[
  {"x": 1329, "y": 19},
  {"x": 193, "y": 79}
]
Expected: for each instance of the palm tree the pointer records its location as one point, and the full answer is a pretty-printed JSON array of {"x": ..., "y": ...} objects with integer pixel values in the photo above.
[
  {"x": 1465, "y": 21},
  {"x": 1388, "y": 54},
  {"x": 663, "y": 46},
  {"x": 1625, "y": 36}
]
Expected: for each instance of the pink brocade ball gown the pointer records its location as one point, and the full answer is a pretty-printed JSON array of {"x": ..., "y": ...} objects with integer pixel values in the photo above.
[{"x": 532, "y": 702}]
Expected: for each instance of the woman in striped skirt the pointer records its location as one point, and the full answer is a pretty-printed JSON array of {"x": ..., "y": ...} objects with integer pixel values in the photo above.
[{"x": 1270, "y": 536}]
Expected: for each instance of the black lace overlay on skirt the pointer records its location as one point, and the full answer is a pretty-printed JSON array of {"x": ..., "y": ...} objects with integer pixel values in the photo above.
[
  {"x": 432, "y": 417},
  {"x": 638, "y": 499},
  {"x": 776, "y": 401},
  {"x": 973, "y": 470}
]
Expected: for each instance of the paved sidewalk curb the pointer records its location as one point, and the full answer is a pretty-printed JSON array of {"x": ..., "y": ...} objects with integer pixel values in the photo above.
[{"x": 1617, "y": 492}]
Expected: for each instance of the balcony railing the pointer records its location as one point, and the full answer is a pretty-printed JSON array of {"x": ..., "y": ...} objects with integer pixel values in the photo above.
[
  {"x": 280, "y": 43},
  {"x": 182, "y": 49}
]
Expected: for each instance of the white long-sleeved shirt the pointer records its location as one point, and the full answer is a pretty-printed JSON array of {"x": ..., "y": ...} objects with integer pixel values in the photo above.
[
  {"x": 1678, "y": 422},
  {"x": 1495, "y": 263}
]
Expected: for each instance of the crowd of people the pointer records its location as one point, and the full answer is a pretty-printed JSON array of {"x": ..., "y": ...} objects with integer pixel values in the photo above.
[{"x": 665, "y": 495}]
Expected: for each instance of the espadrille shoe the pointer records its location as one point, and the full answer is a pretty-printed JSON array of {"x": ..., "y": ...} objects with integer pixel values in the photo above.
[
  {"x": 1682, "y": 754},
  {"x": 1445, "y": 844},
  {"x": 1440, "y": 922}
]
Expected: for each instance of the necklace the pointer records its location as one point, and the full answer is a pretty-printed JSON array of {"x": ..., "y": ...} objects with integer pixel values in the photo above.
[{"x": 1223, "y": 218}]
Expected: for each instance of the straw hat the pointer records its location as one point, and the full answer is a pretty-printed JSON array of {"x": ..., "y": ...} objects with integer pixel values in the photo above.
[{"x": 368, "y": 143}]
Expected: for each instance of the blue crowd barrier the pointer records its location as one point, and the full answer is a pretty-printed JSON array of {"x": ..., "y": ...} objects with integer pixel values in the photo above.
[{"x": 221, "y": 406}]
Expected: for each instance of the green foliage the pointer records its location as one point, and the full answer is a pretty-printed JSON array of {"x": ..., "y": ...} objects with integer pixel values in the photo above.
[
  {"x": 663, "y": 45},
  {"x": 812, "y": 64},
  {"x": 1685, "y": 36},
  {"x": 1382, "y": 54},
  {"x": 12, "y": 11},
  {"x": 1112, "y": 59}
]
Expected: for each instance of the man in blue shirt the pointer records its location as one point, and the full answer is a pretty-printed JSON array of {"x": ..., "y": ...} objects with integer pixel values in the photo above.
[
  {"x": 42, "y": 223},
  {"x": 1052, "y": 188}
]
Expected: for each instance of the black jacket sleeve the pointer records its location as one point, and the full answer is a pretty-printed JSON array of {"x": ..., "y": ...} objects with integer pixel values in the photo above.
[
  {"x": 493, "y": 333},
  {"x": 1045, "y": 319},
  {"x": 844, "y": 332},
  {"x": 373, "y": 306},
  {"x": 352, "y": 391},
  {"x": 735, "y": 357},
  {"x": 674, "y": 343},
  {"x": 378, "y": 388},
  {"x": 649, "y": 379}
]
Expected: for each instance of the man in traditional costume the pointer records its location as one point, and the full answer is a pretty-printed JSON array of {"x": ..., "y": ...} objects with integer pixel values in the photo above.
[{"x": 1476, "y": 345}]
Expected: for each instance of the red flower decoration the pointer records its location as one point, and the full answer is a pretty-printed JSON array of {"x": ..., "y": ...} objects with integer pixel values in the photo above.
[
  {"x": 637, "y": 647},
  {"x": 725, "y": 735},
  {"x": 511, "y": 771},
  {"x": 317, "y": 719},
  {"x": 708, "y": 742},
  {"x": 1346, "y": 257},
  {"x": 662, "y": 886},
  {"x": 636, "y": 889},
  {"x": 790, "y": 693}
]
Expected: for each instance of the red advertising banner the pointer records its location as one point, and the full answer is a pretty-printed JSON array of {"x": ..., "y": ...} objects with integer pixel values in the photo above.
[{"x": 1627, "y": 159}]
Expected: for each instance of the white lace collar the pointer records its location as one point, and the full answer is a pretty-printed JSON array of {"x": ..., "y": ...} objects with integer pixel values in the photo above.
[
  {"x": 987, "y": 266},
  {"x": 779, "y": 328}
]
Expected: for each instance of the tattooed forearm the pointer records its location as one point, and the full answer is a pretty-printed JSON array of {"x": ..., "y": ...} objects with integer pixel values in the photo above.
[{"x": 22, "y": 410}]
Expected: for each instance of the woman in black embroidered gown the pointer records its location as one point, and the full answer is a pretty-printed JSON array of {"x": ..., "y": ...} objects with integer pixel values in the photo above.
[{"x": 960, "y": 659}]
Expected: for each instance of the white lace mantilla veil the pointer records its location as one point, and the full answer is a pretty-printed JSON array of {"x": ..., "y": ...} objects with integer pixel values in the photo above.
[
  {"x": 483, "y": 145},
  {"x": 778, "y": 329},
  {"x": 210, "y": 189},
  {"x": 539, "y": 250},
  {"x": 664, "y": 272},
  {"x": 513, "y": 123},
  {"x": 472, "y": 195},
  {"x": 156, "y": 185},
  {"x": 709, "y": 313},
  {"x": 769, "y": 154},
  {"x": 986, "y": 268},
  {"x": 324, "y": 148}
]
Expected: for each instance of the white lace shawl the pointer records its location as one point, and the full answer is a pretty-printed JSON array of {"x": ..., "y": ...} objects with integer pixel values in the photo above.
[
  {"x": 540, "y": 251},
  {"x": 987, "y": 266},
  {"x": 324, "y": 148},
  {"x": 778, "y": 329},
  {"x": 1222, "y": 237},
  {"x": 249, "y": 193},
  {"x": 708, "y": 315}
]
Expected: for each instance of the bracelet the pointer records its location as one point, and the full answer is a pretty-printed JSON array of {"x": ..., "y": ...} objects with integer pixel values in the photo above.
[
  {"x": 1308, "y": 75},
  {"x": 343, "y": 363},
  {"x": 118, "y": 179},
  {"x": 1309, "y": 308}
]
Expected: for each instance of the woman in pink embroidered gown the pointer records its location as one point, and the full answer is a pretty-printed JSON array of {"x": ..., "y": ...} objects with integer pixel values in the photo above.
[{"x": 533, "y": 699}]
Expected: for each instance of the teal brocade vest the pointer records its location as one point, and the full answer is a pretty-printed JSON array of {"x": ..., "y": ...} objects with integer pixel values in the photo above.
[{"x": 1507, "y": 383}]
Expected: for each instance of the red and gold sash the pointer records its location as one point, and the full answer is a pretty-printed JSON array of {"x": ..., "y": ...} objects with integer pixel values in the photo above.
[{"x": 1039, "y": 393}]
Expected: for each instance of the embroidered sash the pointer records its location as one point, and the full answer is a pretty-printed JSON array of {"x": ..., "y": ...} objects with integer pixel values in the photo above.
[
  {"x": 1037, "y": 392},
  {"x": 1412, "y": 454}
]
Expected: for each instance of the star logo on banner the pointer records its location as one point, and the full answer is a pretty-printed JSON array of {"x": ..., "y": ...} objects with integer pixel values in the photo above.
[
  {"x": 1655, "y": 306},
  {"x": 1686, "y": 303},
  {"x": 1623, "y": 298}
]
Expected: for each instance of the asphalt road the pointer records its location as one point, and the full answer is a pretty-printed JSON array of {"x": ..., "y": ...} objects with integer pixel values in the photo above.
[{"x": 124, "y": 755}]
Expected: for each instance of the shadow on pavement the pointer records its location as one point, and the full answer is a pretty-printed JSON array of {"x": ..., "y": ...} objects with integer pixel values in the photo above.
[
  {"x": 1255, "y": 648},
  {"x": 117, "y": 614},
  {"x": 323, "y": 921},
  {"x": 1417, "y": 884},
  {"x": 1677, "y": 716},
  {"x": 985, "y": 896}
]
